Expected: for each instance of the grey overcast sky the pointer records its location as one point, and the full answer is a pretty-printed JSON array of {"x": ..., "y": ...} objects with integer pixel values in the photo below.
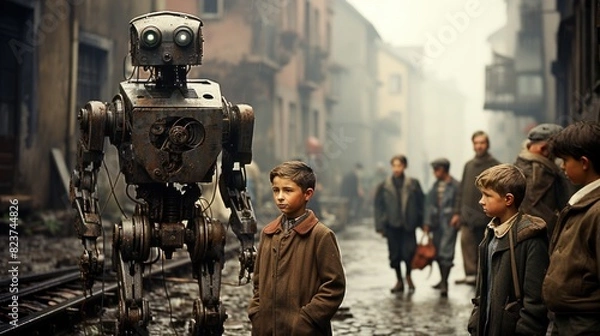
[{"x": 453, "y": 34}]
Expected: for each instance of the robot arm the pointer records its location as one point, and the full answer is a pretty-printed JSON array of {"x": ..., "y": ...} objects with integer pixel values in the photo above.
[
  {"x": 237, "y": 151},
  {"x": 93, "y": 120}
]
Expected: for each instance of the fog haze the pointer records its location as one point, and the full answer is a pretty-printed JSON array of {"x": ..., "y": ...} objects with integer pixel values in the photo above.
[{"x": 453, "y": 35}]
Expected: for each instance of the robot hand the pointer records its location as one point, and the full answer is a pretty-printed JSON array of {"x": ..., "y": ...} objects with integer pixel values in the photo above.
[{"x": 243, "y": 224}]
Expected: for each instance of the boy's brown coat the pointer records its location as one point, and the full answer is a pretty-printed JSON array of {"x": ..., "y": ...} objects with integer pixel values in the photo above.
[
  {"x": 572, "y": 284},
  {"x": 299, "y": 281}
]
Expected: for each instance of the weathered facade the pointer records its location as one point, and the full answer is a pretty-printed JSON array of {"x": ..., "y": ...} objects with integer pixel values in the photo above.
[
  {"x": 56, "y": 55},
  {"x": 577, "y": 67},
  {"x": 355, "y": 56},
  {"x": 393, "y": 113}
]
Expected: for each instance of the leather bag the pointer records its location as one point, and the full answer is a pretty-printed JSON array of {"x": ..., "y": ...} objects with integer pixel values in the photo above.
[{"x": 425, "y": 252}]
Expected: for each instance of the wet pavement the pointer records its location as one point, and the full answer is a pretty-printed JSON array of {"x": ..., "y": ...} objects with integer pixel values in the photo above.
[
  {"x": 368, "y": 307},
  {"x": 373, "y": 310}
]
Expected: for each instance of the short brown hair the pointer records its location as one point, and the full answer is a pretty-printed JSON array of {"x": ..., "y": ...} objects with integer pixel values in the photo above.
[
  {"x": 400, "y": 158},
  {"x": 481, "y": 133},
  {"x": 504, "y": 178},
  {"x": 297, "y": 171}
]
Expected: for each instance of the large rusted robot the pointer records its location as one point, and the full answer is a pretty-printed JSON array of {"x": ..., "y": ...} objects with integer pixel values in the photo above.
[{"x": 169, "y": 132}]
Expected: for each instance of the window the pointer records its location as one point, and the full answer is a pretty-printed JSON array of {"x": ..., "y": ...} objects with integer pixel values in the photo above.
[
  {"x": 292, "y": 134},
  {"x": 17, "y": 93},
  {"x": 315, "y": 128},
  {"x": 278, "y": 121},
  {"x": 395, "y": 83},
  {"x": 336, "y": 83},
  {"x": 530, "y": 86},
  {"x": 305, "y": 125},
  {"x": 263, "y": 40},
  {"x": 211, "y": 8},
  {"x": 292, "y": 12},
  {"x": 315, "y": 28},
  {"x": 92, "y": 72}
]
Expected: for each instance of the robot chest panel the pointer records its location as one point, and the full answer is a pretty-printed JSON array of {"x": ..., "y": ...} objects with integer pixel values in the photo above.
[{"x": 176, "y": 144}]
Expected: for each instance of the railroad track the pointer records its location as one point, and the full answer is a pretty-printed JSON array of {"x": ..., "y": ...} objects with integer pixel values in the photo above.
[
  {"x": 51, "y": 302},
  {"x": 47, "y": 303}
]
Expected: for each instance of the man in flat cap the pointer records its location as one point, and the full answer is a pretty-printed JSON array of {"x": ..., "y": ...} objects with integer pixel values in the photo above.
[
  {"x": 548, "y": 189},
  {"x": 439, "y": 207}
]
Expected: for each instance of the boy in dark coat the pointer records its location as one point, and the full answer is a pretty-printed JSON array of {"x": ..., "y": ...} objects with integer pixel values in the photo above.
[
  {"x": 572, "y": 285},
  {"x": 299, "y": 281},
  {"x": 503, "y": 189},
  {"x": 399, "y": 203}
]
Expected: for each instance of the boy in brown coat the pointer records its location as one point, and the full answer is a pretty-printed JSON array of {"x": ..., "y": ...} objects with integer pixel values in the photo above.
[
  {"x": 572, "y": 285},
  {"x": 299, "y": 281}
]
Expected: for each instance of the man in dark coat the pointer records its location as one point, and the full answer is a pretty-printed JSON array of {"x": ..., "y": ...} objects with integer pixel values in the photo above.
[
  {"x": 440, "y": 203},
  {"x": 548, "y": 189},
  {"x": 469, "y": 215},
  {"x": 399, "y": 202}
]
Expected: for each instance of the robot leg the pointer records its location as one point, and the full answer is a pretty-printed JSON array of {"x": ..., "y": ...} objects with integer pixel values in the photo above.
[
  {"x": 131, "y": 247},
  {"x": 207, "y": 252}
]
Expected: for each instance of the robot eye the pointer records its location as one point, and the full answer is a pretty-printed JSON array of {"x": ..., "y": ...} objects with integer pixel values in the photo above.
[
  {"x": 183, "y": 36},
  {"x": 151, "y": 37}
]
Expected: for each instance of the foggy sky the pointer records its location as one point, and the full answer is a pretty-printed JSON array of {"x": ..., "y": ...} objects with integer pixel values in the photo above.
[{"x": 454, "y": 34}]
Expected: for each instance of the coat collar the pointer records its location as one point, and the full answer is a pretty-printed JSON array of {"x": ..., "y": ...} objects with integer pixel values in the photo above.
[
  {"x": 301, "y": 228},
  {"x": 389, "y": 185},
  {"x": 529, "y": 156},
  {"x": 585, "y": 196},
  {"x": 527, "y": 227}
]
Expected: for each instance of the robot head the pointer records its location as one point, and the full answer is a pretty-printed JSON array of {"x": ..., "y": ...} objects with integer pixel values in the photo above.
[{"x": 166, "y": 38}]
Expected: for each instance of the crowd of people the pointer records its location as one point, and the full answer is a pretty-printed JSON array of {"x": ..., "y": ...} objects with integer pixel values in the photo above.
[{"x": 529, "y": 231}]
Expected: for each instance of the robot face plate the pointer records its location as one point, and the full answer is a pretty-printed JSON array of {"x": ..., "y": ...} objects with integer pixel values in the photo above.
[{"x": 166, "y": 38}]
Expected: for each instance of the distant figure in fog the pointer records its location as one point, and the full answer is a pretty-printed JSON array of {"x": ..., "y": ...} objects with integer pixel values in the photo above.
[
  {"x": 399, "y": 203},
  {"x": 439, "y": 208},
  {"x": 548, "y": 189},
  {"x": 253, "y": 183},
  {"x": 378, "y": 175},
  {"x": 469, "y": 215},
  {"x": 501, "y": 305},
  {"x": 572, "y": 284},
  {"x": 352, "y": 189},
  {"x": 298, "y": 281}
]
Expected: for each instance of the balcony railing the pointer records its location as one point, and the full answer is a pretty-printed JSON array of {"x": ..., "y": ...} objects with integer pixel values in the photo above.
[
  {"x": 506, "y": 90},
  {"x": 500, "y": 86}
]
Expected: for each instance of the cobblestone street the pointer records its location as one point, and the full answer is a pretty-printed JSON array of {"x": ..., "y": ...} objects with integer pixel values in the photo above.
[
  {"x": 372, "y": 310},
  {"x": 368, "y": 308}
]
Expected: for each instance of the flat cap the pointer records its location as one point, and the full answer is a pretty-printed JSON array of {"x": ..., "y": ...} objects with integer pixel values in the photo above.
[
  {"x": 441, "y": 162},
  {"x": 543, "y": 132}
]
